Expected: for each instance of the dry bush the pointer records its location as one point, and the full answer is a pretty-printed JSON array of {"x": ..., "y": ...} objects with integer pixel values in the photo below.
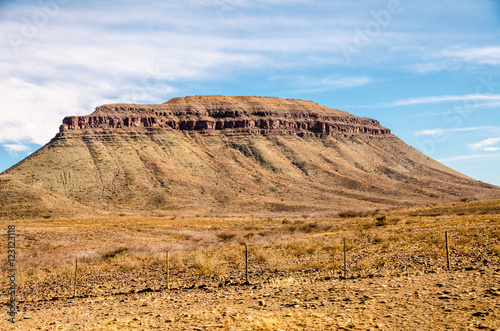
[
  {"x": 381, "y": 221},
  {"x": 226, "y": 236},
  {"x": 309, "y": 227},
  {"x": 299, "y": 248},
  {"x": 89, "y": 255},
  {"x": 215, "y": 262},
  {"x": 113, "y": 253},
  {"x": 380, "y": 262},
  {"x": 273, "y": 258},
  {"x": 367, "y": 225},
  {"x": 249, "y": 235},
  {"x": 362, "y": 265},
  {"x": 349, "y": 214}
]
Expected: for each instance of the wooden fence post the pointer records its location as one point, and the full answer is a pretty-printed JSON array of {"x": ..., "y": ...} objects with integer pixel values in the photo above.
[
  {"x": 168, "y": 270},
  {"x": 76, "y": 273},
  {"x": 447, "y": 251},
  {"x": 345, "y": 260},
  {"x": 246, "y": 265}
]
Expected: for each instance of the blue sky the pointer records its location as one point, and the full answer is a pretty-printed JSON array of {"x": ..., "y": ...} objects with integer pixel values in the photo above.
[{"x": 428, "y": 70}]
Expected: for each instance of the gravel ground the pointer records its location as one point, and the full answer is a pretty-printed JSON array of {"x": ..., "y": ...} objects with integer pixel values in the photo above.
[{"x": 456, "y": 300}]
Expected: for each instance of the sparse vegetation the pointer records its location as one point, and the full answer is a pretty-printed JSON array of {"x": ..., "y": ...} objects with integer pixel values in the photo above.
[
  {"x": 381, "y": 221},
  {"x": 226, "y": 236},
  {"x": 206, "y": 247},
  {"x": 207, "y": 252},
  {"x": 114, "y": 253},
  {"x": 349, "y": 214}
]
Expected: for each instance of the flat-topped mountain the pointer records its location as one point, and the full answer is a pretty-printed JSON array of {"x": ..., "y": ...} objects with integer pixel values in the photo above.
[
  {"x": 242, "y": 114},
  {"x": 220, "y": 155}
]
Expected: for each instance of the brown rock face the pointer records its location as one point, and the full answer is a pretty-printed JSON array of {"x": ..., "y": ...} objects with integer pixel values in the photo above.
[{"x": 242, "y": 114}]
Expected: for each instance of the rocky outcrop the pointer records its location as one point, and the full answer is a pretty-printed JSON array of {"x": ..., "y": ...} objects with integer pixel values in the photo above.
[{"x": 244, "y": 114}]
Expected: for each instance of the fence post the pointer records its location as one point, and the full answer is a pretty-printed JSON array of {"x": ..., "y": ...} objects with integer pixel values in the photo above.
[
  {"x": 246, "y": 264},
  {"x": 76, "y": 272},
  {"x": 168, "y": 270},
  {"x": 447, "y": 251},
  {"x": 345, "y": 261}
]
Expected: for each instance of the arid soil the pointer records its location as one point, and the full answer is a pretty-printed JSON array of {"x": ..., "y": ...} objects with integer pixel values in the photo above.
[
  {"x": 456, "y": 300},
  {"x": 397, "y": 275}
]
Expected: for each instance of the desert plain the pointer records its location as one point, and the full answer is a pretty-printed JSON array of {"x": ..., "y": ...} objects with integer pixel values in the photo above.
[{"x": 189, "y": 273}]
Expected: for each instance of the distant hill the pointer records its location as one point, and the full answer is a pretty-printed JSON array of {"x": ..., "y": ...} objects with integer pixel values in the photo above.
[{"x": 221, "y": 155}]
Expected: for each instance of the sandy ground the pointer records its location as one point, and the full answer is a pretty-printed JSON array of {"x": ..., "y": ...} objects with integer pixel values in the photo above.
[{"x": 457, "y": 300}]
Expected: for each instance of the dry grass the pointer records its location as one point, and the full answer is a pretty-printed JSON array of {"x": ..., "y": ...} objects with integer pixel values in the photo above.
[{"x": 129, "y": 253}]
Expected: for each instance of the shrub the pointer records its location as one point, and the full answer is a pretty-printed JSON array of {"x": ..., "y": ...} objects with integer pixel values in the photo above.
[
  {"x": 348, "y": 214},
  {"x": 367, "y": 225},
  {"x": 226, "y": 236},
  {"x": 309, "y": 227},
  {"x": 381, "y": 220},
  {"x": 209, "y": 264},
  {"x": 114, "y": 253},
  {"x": 249, "y": 235}
]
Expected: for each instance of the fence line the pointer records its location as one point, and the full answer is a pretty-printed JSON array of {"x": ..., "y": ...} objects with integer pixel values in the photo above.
[{"x": 248, "y": 264}]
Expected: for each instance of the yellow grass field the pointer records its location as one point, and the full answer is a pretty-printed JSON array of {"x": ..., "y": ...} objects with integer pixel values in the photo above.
[{"x": 397, "y": 275}]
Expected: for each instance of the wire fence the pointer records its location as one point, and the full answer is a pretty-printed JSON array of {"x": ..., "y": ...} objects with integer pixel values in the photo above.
[{"x": 321, "y": 258}]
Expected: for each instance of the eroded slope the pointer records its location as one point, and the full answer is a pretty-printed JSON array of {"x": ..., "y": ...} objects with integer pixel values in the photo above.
[{"x": 306, "y": 159}]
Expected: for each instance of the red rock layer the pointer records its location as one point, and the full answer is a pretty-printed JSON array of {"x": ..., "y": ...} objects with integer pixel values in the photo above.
[{"x": 262, "y": 114}]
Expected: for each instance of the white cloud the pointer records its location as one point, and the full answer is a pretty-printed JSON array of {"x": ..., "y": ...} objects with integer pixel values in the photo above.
[
  {"x": 440, "y": 131},
  {"x": 482, "y": 55},
  {"x": 13, "y": 149},
  {"x": 331, "y": 83},
  {"x": 32, "y": 113},
  {"x": 84, "y": 56},
  {"x": 483, "y": 144},
  {"x": 467, "y": 157},
  {"x": 478, "y": 128},
  {"x": 443, "y": 98},
  {"x": 457, "y": 57},
  {"x": 430, "y": 132}
]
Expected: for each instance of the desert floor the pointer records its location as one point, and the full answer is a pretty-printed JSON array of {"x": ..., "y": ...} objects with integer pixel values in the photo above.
[
  {"x": 440, "y": 301},
  {"x": 397, "y": 275}
]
